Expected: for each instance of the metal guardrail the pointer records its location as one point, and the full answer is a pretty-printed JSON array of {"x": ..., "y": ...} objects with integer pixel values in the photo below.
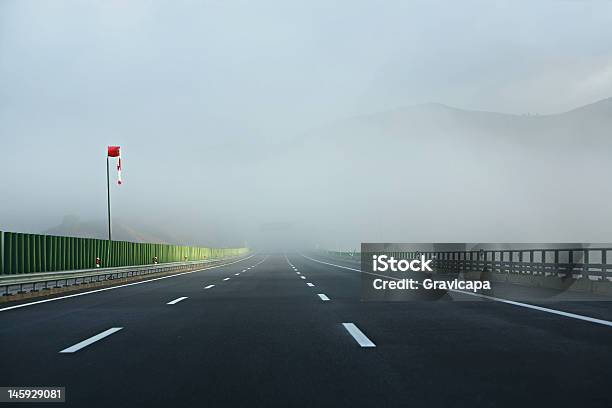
[
  {"x": 577, "y": 263},
  {"x": 345, "y": 254},
  {"x": 19, "y": 284}
]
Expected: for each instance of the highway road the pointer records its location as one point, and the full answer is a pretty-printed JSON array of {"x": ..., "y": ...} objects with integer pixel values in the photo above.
[{"x": 288, "y": 330}]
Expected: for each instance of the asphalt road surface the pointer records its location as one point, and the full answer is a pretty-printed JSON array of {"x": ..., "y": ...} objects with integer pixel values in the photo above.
[{"x": 276, "y": 330}]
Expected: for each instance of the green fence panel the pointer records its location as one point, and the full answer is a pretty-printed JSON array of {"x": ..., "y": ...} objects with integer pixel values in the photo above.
[
  {"x": 10, "y": 256},
  {"x": 37, "y": 264},
  {"x": 64, "y": 253},
  {"x": 68, "y": 254},
  {"x": 61, "y": 253},
  {"x": 28, "y": 253},
  {"x": 8, "y": 253}
]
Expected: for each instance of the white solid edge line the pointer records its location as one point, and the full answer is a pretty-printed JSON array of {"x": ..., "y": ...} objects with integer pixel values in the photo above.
[
  {"x": 4, "y": 309},
  {"x": 540, "y": 308},
  {"x": 226, "y": 279},
  {"x": 310, "y": 284},
  {"x": 492, "y": 298},
  {"x": 323, "y": 297},
  {"x": 358, "y": 335},
  {"x": 209, "y": 286},
  {"x": 91, "y": 340},
  {"x": 175, "y": 301}
]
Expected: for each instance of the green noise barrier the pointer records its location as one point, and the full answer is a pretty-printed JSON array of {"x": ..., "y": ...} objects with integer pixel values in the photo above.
[{"x": 30, "y": 253}]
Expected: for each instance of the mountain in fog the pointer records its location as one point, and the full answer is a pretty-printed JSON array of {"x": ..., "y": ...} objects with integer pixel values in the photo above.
[
  {"x": 123, "y": 230},
  {"x": 422, "y": 121},
  {"x": 72, "y": 226},
  {"x": 602, "y": 109},
  {"x": 437, "y": 173}
]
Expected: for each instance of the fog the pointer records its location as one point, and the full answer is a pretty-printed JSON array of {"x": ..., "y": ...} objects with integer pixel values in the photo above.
[{"x": 284, "y": 125}]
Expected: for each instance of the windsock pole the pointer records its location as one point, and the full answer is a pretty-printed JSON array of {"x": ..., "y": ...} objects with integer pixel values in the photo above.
[
  {"x": 108, "y": 200},
  {"x": 113, "y": 151}
]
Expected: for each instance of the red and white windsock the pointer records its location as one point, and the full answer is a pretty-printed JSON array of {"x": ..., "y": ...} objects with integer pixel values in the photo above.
[{"x": 115, "y": 151}]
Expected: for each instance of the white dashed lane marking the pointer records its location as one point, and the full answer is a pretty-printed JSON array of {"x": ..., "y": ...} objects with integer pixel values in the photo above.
[
  {"x": 358, "y": 335},
  {"x": 175, "y": 301},
  {"x": 87, "y": 342}
]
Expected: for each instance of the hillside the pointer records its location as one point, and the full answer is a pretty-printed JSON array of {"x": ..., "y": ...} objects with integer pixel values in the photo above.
[
  {"x": 380, "y": 174},
  {"x": 73, "y": 226}
]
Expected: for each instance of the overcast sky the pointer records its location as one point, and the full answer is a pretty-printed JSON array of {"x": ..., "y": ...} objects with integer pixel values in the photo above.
[
  {"x": 156, "y": 75},
  {"x": 284, "y": 65}
]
